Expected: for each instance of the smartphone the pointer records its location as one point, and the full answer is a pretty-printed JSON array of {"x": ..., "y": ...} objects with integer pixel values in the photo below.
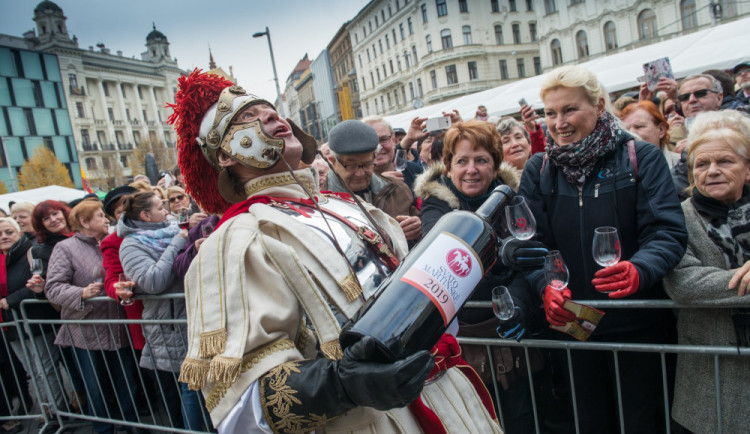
[
  {"x": 438, "y": 123},
  {"x": 657, "y": 69},
  {"x": 522, "y": 102},
  {"x": 167, "y": 180}
]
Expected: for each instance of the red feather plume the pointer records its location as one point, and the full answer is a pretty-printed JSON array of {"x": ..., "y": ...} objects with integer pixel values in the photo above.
[{"x": 196, "y": 93}]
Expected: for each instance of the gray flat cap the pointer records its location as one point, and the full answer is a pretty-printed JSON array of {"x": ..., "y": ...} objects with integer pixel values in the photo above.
[{"x": 352, "y": 137}]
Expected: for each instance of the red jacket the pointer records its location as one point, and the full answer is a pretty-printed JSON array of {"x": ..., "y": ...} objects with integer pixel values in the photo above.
[
  {"x": 538, "y": 141},
  {"x": 110, "y": 246}
]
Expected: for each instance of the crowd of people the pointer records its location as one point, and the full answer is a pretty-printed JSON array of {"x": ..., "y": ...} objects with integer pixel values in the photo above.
[{"x": 293, "y": 257}]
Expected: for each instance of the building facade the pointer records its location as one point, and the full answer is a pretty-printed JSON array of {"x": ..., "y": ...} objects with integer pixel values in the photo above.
[
  {"x": 290, "y": 91},
  {"x": 115, "y": 103},
  {"x": 413, "y": 52},
  {"x": 323, "y": 89},
  {"x": 574, "y": 31},
  {"x": 33, "y": 111},
  {"x": 344, "y": 73}
]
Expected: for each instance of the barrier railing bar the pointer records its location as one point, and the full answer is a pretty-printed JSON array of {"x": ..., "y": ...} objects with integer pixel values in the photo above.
[
  {"x": 531, "y": 388},
  {"x": 618, "y": 387},
  {"x": 665, "y": 388},
  {"x": 717, "y": 380},
  {"x": 569, "y": 356}
]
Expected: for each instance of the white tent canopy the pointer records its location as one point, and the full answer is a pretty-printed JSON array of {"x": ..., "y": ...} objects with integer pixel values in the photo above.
[
  {"x": 719, "y": 47},
  {"x": 36, "y": 195}
]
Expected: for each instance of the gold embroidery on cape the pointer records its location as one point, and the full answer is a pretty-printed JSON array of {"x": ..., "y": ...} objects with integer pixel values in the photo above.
[
  {"x": 248, "y": 362},
  {"x": 280, "y": 399},
  {"x": 276, "y": 181}
]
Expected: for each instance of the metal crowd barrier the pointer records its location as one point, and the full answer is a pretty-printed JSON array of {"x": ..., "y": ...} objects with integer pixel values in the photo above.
[{"x": 151, "y": 391}]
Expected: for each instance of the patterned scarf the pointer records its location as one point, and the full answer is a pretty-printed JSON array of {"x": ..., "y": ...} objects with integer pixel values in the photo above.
[
  {"x": 158, "y": 239},
  {"x": 579, "y": 159},
  {"x": 728, "y": 226}
]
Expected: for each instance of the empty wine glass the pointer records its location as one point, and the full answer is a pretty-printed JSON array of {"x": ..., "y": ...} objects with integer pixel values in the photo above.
[
  {"x": 37, "y": 267},
  {"x": 502, "y": 303},
  {"x": 555, "y": 270},
  {"x": 99, "y": 273},
  {"x": 400, "y": 160},
  {"x": 126, "y": 301},
  {"x": 521, "y": 222},
  {"x": 606, "y": 246}
]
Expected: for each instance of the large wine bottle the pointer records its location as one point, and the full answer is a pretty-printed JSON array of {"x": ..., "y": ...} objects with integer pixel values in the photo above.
[{"x": 416, "y": 303}]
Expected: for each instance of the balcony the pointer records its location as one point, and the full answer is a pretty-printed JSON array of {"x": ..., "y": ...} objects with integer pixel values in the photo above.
[
  {"x": 100, "y": 122},
  {"x": 90, "y": 147},
  {"x": 109, "y": 147},
  {"x": 151, "y": 123},
  {"x": 135, "y": 122},
  {"x": 77, "y": 91},
  {"x": 457, "y": 89},
  {"x": 449, "y": 54},
  {"x": 117, "y": 123},
  {"x": 125, "y": 146}
]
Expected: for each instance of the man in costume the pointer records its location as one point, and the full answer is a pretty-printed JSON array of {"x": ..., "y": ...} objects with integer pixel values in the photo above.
[{"x": 270, "y": 289}]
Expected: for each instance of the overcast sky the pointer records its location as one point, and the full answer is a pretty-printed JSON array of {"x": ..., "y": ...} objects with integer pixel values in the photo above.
[{"x": 297, "y": 27}]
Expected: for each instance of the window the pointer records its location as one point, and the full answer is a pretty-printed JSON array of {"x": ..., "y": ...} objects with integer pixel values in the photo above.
[
  {"x": 398, "y": 62},
  {"x": 380, "y": 44},
  {"x": 390, "y": 63},
  {"x": 414, "y": 53},
  {"x": 140, "y": 94},
  {"x": 364, "y": 84},
  {"x": 390, "y": 104},
  {"x": 728, "y": 8},
  {"x": 359, "y": 57},
  {"x": 503, "y": 69},
  {"x": 433, "y": 78},
  {"x": 364, "y": 31},
  {"x": 647, "y": 24},
  {"x": 442, "y": 8},
  {"x": 537, "y": 65},
  {"x": 382, "y": 15},
  {"x": 377, "y": 107},
  {"x": 374, "y": 51},
  {"x": 687, "y": 13},
  {"x": 428, "y": 40},
  {"x": 424, "y": 13},
  {"x": 369, "y": 23},
  {"x": 73, "y": 81},
  {"x": 473, "y": 74},
  {"x": 411, "y": 27},
  {"x": 85, "y": 137},
  {"x": 394, "y": 35},
  {"x": 467, "y": 35},
  {"x": 105, "y": 163},
  {"x": 512, "y": 5},
  {"x": 516, "y": 34},
  {"x": 550, "y": 6},
  {"x": 111, "y": 113},
  {"x": 411, "y": 90},
  {"x": 462, "y": 6},
  {"x": 610, "y": 35},
  {"x": 91, "y": 163},
  {"x": 106, "y": 88},
  {"x": 450, "y": 74},
  {"x": 445, "y": 38},
  {"x": 387, "y": 42},
  {"x": 401, "y": 30},
  {"x": 382, "y": 102},
  {"x": 495, "y": 6},
  {"x": 79, "y": 110},
  {"x": 395, "y": 96},
  {"x": 530, "y": 5},
  {"x": 124, "y": 161},
  {"x": 406, "y": 58},
  {"x": 532, "y": 31},
  {"x": 556, "y": 51},
  {"x": 582, "y": 44},
  {"x": 377, "y": 72},
  {"x": 356, "y": 38},
  {"x": 145, "y": 118},
  {"x": 367, "y": 107},
  {"x": 372, "y": 80},
  {"x": 368, "y": 55},
  {"x": 419, "y": 87},
  {"x": 403, "y": 93},
  {"x": 376, "y": 22},
  {"x": 499, "y": 34},
  {"x": 521, "y": 66}
]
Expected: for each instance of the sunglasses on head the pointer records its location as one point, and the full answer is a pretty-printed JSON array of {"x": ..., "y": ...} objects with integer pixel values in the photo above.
[
  {"x": 683, "y": 97},
  {"x": 177, "y": 198}
]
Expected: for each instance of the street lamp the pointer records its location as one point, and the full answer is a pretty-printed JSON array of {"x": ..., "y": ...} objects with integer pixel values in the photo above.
[{"x": 273, "y": 64}]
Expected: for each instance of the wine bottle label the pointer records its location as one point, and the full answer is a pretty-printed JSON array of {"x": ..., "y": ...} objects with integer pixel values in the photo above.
[{"x": 446, "y": 273}]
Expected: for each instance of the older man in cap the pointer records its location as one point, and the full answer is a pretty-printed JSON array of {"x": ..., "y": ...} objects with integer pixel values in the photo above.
[
  {"x": 353, "y": 157},
  {"x": 742, "y": 78},
  {"x": 385, "y": 155}
]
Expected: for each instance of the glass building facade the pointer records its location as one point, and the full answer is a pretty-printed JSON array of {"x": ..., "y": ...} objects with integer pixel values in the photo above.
[{"x": 33, "y": 113}]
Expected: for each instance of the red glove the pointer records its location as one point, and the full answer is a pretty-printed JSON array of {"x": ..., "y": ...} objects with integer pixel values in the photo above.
[
  {"x": 553, "y": 306},
  {"x": 619, "y": 280}
]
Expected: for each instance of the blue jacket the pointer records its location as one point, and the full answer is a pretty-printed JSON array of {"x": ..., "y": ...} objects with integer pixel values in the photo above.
[{"x": 643, "y": 207}]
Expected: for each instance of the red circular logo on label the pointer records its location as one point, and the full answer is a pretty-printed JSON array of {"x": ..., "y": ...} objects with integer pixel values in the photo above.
[
  {"x": 521, "y": 222},
  {"x": 459, "y": 261}
]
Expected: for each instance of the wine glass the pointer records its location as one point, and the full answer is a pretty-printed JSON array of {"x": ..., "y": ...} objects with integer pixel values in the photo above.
[
  {"x": 521, "y": 222},
  {"x": 555, "y": 270},
  {"x": 37, "y": 267},
  {"x": 502, "y": 303},
  {"x": 126, "y": 301},
  {"x": 400, "y": 160},
  {"x": 606, "y": 246},
  {"x": 99, "y": 273}
]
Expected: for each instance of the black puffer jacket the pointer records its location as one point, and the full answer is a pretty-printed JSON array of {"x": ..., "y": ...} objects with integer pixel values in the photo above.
[
  {"x": 18, "y": 273},
  {"x": 644, "y": 208}
]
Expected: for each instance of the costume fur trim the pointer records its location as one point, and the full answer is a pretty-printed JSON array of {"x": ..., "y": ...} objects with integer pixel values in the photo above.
[{"x": 428, "y": 184}]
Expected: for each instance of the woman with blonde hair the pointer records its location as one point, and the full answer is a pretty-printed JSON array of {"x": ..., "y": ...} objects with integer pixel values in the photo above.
[
  {"x": 594, "y": 174},
  {"x": 21, "y": 213}
]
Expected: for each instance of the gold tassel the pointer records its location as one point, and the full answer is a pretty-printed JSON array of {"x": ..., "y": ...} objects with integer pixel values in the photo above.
[
  {"x": 351, "y": 287},
  {"x": 332, "y": 350},
  {"x": 194, "y": 372},
  {"x": 224, "y": 369},
  {"x": 212, "y": 343}
]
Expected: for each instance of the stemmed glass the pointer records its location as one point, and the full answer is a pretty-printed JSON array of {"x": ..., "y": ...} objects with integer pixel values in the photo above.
[
  {"x": 124, "y": 279},
  {"x": 400, "y": 160},
  {"x": 555, "y": 270},
  {"x": 502, "y": 303},
  {"x": 521, "y": 222},
  {"x": 37, "y": 267},
  {"x": 207, "y": 230},
  {"x": 606, "y": 247},
  {"x": 100, "y": 274}
]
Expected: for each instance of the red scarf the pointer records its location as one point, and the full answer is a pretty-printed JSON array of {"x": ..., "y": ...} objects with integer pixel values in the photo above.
[{"x": 447, "y": 355}]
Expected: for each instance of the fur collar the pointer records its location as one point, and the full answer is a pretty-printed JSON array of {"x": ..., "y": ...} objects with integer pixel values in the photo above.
[{"x": 430, "y": 182}]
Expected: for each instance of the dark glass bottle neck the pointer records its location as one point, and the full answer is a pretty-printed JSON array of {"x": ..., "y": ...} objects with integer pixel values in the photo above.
[{"x": 495, "y": 205}]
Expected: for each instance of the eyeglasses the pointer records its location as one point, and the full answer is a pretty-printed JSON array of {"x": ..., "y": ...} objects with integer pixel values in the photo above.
[
  {"x": 177, "y": 198},
  {"x": 683, "y": 97},
  {"x": 384, "y": 139},
  {"x": 355, "y": 167}
]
